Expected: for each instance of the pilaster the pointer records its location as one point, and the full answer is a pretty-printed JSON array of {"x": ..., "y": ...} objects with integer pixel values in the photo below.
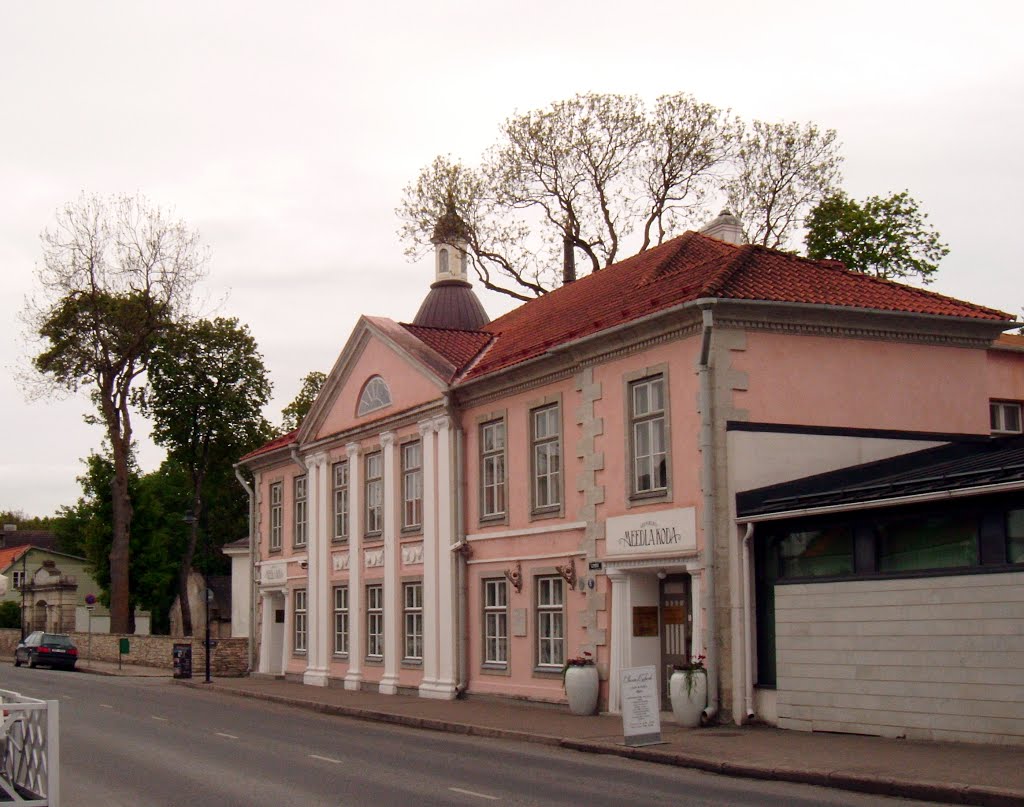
[
  {"x": 446, "y": 577},
  {"x": 356, "y": 617},
  {"x": 431, "y": 636},
  {"x": 317, "y": 595},
  {"x": 392, "y": 587}
]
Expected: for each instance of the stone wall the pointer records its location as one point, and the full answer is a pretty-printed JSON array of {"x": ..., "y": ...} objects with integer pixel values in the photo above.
[{"x": 229, "y": 659}]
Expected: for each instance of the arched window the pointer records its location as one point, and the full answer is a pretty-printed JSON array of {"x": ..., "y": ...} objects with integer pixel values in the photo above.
[
  {"x": 442, "y": 262},
  {"x": 376, "y": 395}
]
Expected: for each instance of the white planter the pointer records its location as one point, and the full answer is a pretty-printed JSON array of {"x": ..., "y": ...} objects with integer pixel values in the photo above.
[
  {"x": 581, "y": 687},
  {"x": 688, "y": 699}
]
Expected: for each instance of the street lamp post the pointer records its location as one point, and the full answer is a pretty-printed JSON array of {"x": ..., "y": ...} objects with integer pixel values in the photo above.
[{"x": 190, "y": 519}]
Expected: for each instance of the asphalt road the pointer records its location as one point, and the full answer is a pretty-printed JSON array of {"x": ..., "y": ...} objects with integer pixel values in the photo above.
[{"x": 144, "y": 742}]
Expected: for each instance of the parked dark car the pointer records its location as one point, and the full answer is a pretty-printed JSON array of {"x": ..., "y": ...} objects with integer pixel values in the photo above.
[{"x": 49, "y": 649}]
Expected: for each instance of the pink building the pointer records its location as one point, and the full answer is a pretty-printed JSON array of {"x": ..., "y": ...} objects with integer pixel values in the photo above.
[{"x": 671, "y": 457}]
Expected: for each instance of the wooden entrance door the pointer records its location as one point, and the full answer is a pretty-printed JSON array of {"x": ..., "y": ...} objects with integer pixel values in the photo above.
[{"x": 675, "y": 627}]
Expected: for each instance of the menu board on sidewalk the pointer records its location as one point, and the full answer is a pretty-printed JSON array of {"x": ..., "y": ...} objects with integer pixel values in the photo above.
[{"x": 641, "y": 713}]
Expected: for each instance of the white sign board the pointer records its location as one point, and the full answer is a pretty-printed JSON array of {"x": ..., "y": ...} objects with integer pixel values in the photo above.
[
  {"x": 641, "y": 709},
  {"x": 274, "y": 573},
  {"x": 665, "y": 532}
]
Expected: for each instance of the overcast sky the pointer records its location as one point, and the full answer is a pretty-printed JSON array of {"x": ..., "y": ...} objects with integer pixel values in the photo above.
[{"x": 285, "y": 132}]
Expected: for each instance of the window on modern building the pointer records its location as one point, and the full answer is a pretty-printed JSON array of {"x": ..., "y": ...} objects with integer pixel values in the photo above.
[
  {"x": 374, "y": 493},
  {"x": 1005, "y": 417},
  {"x": 413, "y": 619},
  {"x": 376, "y": 395},
  {"x": 412, "y": 485},
  {"x": 550, "y": 622},
  {"x": 492, "y": 469},
  {"x": 375, "y": 622},
  {"x": 649, "y": 450},
  {"x": 275, "y": 516},
  {"x": 817, "y": 553},
  {"x": 341, "y": 501},
  {"x": 545, "y": 428},
  {"x": 1014, "y": 536},
  {"x": 341, "y": 620},
  {"x": 300, "y": 511},
  {"x": 299, "y": 620},
  {"x": 496, "y": 623},
  {"x": 917, "y": 543}
]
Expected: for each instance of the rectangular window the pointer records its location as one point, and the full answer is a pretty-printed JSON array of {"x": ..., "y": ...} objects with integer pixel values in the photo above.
[
  {"x": 413, "y": 619},
  {"x": 299, "y": 620},
  {"x": 341, "y": 501},
  {"x": 492, "y": 469},
  {"x": 375, "y": 622},
  {"x": 1004, "y": 417},
  {"x": 545, "y": 426},
  {"x": 374, "y": 493},
  {"x": 300, "y": 511},
  {"x": 412, "y": 485},
  {"x": 19, "y": 578},
  {"x": 550, "y": 622},
  {"x": 1014, "y": 536},
  {"x": 928, "y": 542},
  {"x": 817, "y": 553},
  {"x": 496, "y": 622},
  {"x": 341, "y": 620},
  {"x": 647, "y": 418},
  {"x": 275, "y": 516}
]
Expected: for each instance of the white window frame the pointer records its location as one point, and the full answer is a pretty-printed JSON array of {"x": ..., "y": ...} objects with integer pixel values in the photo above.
[
  {"x": 412, "y": 485},
  {"x": 341, "y": 615},
  {"x": 375, "y": 395},
  {"x": 492, "y": 469},
  {"x": 18, "y": 578},
  {"x": 276, "y": 515},
  {"x": 375, "y": 622},
  {"x": 340, "y": 499},
  {"x": 648, "y": 423},
  {"x": 550, "y": 605},
  {"x": 496, "y": 623},
  {"x": 300, "y": 490},
  {"x": 412, "y": 621},
  {"x": 1005, "y": 417},
  {"x": 374, "y": 487},
  {"x": 299, "y": 626},
  {"x": 545, "y": 452}
]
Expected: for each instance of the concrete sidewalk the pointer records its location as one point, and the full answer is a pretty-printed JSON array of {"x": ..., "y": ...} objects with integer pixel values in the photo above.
[{"x": 957, "y": 773}]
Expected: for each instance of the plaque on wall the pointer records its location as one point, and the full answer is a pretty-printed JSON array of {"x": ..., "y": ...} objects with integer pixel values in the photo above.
[
  {"x": 645, "y": 620},
  {"x": 518, "y": 621}
]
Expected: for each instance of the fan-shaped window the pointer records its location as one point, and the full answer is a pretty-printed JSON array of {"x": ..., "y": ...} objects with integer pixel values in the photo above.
[{"x": 376, "y": 395}]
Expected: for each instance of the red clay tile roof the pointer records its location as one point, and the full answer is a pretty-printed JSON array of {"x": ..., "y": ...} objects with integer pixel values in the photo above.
[
  {"x": 273, "y": 445},
  {"x": 459, "y": 347},
  {"x": 1014, "y": 341},
  {"x": 688, "y": 268},
  {"x": 10, "y": 554}
]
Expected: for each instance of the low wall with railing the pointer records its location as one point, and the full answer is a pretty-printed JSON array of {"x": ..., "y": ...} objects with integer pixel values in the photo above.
[
  {"x": 229, "y": 657},
  {"x": 30, "y": 757}
]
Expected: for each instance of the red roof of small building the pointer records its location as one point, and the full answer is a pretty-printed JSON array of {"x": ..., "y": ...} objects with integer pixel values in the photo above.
[
  {"x": 688, "y": 268},
  {"x": 273, "y": 445},
  {"x": 9, "y": 555}
]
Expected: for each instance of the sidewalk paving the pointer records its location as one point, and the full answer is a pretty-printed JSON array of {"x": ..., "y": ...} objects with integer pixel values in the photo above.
[{"x": 957, "y": 773}]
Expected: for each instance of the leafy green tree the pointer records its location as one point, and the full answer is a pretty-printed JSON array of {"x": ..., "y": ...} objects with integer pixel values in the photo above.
[
  {"x": 115, "y": 274},
  {"x": 885, "y": 236},
  {"x": 207, "y": 389},
  {"x": 10, "y": 614},
  {"x": 296, "y": 411},
  {"x": 23, "y": 522}
]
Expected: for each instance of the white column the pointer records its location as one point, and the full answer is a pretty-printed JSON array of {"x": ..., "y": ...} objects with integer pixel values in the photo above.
[
  {"x": 318, "y": 615},
  {"x": 430, "y": 631},
  {"x": 446, "y": 577},
  {"x": 697, "y": 645},
  {"x": 392, "y": 586},
  {"x": 266, "y": 635},
  {"x": 356, "y": 617},
  {"x": 621, "y": 656}
]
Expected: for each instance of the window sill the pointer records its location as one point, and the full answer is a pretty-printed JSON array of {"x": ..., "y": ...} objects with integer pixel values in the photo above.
[
  {"x": 540, "y": 515},
  {"x": 339, "y": 541},
  {"x": 374, "y": 661},
  {"x": 547, "y": 672},
  {"x": 410, "y": 532},
  {"x": 495, "y": 668},
  {"x": 339, "y": 656},
  {"x": 412, "y": 664}
]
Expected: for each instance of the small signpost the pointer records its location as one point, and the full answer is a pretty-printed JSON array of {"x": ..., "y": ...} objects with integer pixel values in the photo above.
[
  {"x": 641, "y": 714},
  {"x": 122, "y": 649}
]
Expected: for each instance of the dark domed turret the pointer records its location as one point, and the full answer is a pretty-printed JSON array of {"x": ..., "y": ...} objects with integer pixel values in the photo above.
[{"x": 451, "y": 302}]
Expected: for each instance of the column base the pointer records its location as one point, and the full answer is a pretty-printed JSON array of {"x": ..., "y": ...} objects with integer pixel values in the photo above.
[
  {"x": 353, "y": 681},
  {"x": 388, "y": 685},
  {"x": 437, "y": 690},
  {"x": 315, "y": 678}
]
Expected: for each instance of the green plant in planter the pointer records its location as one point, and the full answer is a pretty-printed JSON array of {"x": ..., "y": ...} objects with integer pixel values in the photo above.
[
  {"x": 585, "y": 660},
  {"x": 695, "y": 665}
]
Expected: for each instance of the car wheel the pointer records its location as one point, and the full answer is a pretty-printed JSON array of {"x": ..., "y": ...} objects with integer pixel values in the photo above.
[
  {"x": 17, "y": 661},
  {"x": 31, "y": 662}
]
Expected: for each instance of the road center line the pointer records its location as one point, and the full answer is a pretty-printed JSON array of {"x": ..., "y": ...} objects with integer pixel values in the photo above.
[
  {"x": 474, "y": 793},
  {"x": 325, "y": 759},
  {"x": 229, "y": 736},
  {"x": 106, "y": 706},
  {"x": 155, "y": 717}
]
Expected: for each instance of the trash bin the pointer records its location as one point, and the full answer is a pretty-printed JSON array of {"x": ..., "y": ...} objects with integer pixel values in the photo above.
[{"x": 182, "y": 654}]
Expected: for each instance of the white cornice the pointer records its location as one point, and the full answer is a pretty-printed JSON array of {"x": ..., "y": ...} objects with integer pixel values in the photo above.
[{"x": 567, "y": 527}]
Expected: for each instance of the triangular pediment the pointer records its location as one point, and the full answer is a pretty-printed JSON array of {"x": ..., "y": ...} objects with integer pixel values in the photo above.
[{"x": 387, "y": 368}]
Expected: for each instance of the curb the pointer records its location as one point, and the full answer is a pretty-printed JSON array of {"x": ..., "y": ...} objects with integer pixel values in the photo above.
[{"x": 980, "y": 796}]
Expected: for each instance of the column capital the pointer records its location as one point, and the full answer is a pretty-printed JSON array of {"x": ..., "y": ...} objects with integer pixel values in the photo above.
[
  {"x": 442, "y": 423},
  {"x": 318, "y": 460},
  {"x": 387, "y": 439},
  {"x": 426, "y": 427},
  {"x": 352, "y": 450}
]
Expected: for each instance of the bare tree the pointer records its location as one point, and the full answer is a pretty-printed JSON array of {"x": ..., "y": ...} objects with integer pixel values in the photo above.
[
  {"x": 116, "y": 272},
  {"x": 782, "y": 170}
]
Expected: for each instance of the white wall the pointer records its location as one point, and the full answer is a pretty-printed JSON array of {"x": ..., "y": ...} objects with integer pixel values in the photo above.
[
  {"x": 938, "y": 658},
  {"x": 241, "y": 595}
]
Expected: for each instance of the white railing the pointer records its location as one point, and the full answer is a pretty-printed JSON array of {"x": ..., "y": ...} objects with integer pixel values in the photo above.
[{"x": 29, "y": 750}]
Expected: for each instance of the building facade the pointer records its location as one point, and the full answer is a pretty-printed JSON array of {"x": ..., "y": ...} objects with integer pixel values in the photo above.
[{"x": 470, "y": 503}]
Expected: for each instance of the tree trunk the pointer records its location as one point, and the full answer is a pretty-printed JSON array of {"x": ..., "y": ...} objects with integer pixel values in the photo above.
[
  {"x": 186, "y": 569},
  {"x": 120, "y": 553}
]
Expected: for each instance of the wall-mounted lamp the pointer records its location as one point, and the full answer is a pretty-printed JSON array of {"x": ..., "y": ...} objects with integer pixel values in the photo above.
[{"x": 662, "y": 574}]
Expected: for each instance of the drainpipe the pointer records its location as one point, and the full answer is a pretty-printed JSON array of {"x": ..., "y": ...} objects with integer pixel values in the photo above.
[
  {"x": 708, "y": 512},
  {"x": 252, "y": 568},
  {"x": 748, "y": 621}
]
